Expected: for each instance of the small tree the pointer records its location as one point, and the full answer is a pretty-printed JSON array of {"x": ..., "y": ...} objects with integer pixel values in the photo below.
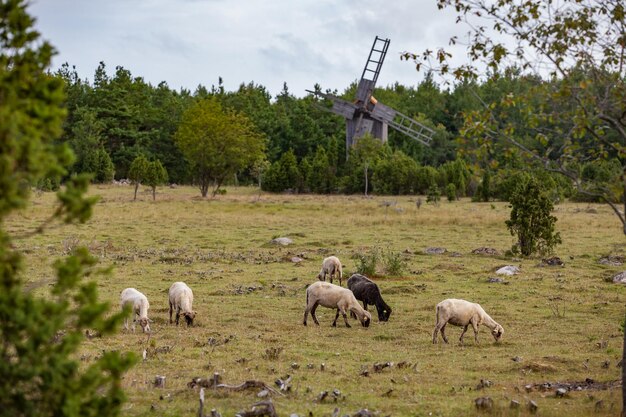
[
  {"x": 531, "y": 220},
  {"x": 155, "y": 175},
  {"x": 137, "y": 172},
  {"x": 451, "y": 192},
  {"x": 485, "y": 186},
  {"x": 433, "y": 195},
  {"x": 217, "y": 143}
]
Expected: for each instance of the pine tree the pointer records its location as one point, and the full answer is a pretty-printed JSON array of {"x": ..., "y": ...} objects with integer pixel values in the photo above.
[
  {"x": 39, "y": 336},
  {"x": 531, "y": 220}
]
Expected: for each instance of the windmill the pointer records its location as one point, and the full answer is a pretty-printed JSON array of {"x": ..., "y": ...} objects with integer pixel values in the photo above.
[{"x": 366, "y": 114}]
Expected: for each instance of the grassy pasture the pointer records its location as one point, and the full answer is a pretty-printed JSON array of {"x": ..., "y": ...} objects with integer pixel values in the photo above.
[{"x": 561, "y": 322}]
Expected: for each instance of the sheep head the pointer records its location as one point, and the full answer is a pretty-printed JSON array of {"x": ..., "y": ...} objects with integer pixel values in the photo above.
[
  {"x": 189, "y": 316},
  {"x": 497, "y": 332},
  {"x": 145, "y": 324},
  {"x": 384, "y": 313},
  {"x": 366, "y": 319}
]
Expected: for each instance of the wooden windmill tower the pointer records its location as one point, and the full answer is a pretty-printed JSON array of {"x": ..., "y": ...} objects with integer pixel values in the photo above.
[{"x": 366, "y": 114}]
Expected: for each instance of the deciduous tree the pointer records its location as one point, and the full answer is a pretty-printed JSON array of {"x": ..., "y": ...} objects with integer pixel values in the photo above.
[
  {"x": 217, "y": 143},
  {"x": 575, "y": 50}
]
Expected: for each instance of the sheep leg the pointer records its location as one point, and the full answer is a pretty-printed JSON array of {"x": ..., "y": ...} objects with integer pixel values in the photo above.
[
  {"x": 313, "y": 313},
  {"x": 345, "y": 318},
  {"x": 443, "y": 333},
  {"x": 310, "y": 309},
  {"x": 475, "y": 327},
  {"x": 177, "y": 314},
  {"x": 336, "y": 317},
  {"x": 463, "y": 333},
  {"x": 171, "y": 310},
  {"x": 435, "y": 331}
]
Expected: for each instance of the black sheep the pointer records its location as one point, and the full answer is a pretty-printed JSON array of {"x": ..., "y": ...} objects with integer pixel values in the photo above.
[{"x": 367, "y": 291}]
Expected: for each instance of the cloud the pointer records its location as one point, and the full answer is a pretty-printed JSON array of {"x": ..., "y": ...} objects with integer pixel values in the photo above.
[{"x": 191, "y": 42}]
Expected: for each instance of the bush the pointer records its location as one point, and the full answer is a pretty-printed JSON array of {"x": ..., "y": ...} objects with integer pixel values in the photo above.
[
  {"x": 367, "y": 263},
  {"x": 451, "y": 192},
  {"x": 394, "y": 263},
  {"x": 531, "y": 220},
  {"x": 433, "y": 195}
]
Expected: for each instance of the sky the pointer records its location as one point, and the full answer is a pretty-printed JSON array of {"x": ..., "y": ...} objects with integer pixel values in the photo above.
[{"x": 270, "y": 42}]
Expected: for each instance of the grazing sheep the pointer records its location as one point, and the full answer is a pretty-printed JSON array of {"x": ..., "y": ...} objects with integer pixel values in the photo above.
[
  {"x": 463, "y": 313},
  {"x": 367, "y": 291},
  {"x": 333, "y": 296},
  {"x": 181, "y": 300},
  {"x": 139, "y": 306},
  {"x": 331, "y": 266}
]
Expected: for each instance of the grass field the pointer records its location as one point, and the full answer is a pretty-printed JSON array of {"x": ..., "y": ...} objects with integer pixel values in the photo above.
[{"x": 562, "y": 324}]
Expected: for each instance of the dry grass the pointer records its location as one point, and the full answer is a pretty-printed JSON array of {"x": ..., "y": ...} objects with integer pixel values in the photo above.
[{"x": 250, "y": 300}]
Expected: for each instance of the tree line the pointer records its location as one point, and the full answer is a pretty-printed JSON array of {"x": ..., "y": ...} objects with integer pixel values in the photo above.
[{"x": 211, "y": 137}]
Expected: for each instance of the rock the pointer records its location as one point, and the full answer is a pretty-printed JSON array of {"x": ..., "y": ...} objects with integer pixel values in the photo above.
[
  {"x": 263, "y": 393},
  {"x": 508, "y": 270},
  {"x": 435, "y": 251},
  {"x": 528, "y": 387},
  {"x": 532, "y": 406},
  {"x": 295, "y": 365},
  {"x": 516, "y": 359},
  {"x": 514, "y": 404},
  {"x": 486, "y": 251},
  {"x": 612, "y": 260},
  {"x": 281, "y": 241},
  {"x": 322, "y": 396},
  {"x": 483, "y": 403},
  {"x": 296, "y": 259},
  {"x": 560, "y": 392},
  {"x": 159, "y": 381},
  {"x": 495, "y": 280},
  {"x": 554, "y": 261},
  {"x": 484, "y": 383},
  {"x": 620, "y": 278}
]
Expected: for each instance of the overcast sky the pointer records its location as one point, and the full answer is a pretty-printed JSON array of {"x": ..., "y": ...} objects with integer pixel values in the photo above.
[{"x": 192, "y": 42}]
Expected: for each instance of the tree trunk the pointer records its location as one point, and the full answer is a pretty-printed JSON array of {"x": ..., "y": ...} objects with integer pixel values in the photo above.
[
  {"x": 622, "y": 217},
  {"x": 154, "y": 193},
  {"x": 204, "y": 188},
  {"x": 624, "y": 373},
  {"x": 366, "y": 184},
  {"x": 136, "y": 187}
]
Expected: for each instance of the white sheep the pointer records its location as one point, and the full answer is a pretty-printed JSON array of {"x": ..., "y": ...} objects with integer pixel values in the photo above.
[
  {"x": 333, "y": 296},
  {"x": 331, "y": 266},
  {"x": 463, "y": 313},
  {"x": 139, "y": 306},
  {"x": 181, "y": 300}
]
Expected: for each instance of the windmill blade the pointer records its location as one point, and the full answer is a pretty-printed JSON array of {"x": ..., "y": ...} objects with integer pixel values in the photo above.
[
  {"x": 402, "y": 123},
  {"x": 363, "y": 126},
  {"x": 372, "y": 69},
  {"x": 340, "y": 106}
]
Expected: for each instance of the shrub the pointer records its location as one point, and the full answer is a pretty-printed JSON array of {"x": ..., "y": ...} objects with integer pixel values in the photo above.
[
  {"x": 367, "y": 263},
  {"x": 394, "y": 263},
  {"x": 531, "y": 220},
  {"x": 451, "y": 192},
  {"x": 433, "y": 195}
]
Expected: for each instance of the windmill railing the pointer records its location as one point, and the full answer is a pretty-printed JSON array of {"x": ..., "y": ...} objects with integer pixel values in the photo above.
[{"x": 412, "y": 128}]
